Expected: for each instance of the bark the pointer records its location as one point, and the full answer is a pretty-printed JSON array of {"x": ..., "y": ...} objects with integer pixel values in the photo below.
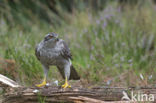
[{"x": 50, "y": 94}]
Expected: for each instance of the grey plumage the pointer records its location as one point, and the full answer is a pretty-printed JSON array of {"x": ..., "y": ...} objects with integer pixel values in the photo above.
[{"x": 54, "y": 51}]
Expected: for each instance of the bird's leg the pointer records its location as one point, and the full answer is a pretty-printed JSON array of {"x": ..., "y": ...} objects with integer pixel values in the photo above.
[
  {"x": 43, "y": 83},
  {"x": 46, "y": 69},
  {"x": 67, "y": 75},
  {"x": 65, "y": 85}
]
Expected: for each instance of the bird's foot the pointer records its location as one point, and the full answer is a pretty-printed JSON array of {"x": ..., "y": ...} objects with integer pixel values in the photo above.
[
  {"x": 66, "y": 85},
  {"x": 42, "y": 84}
]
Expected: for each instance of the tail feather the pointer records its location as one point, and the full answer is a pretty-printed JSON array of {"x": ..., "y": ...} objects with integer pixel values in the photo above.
[{"x": 73, "y": 73}]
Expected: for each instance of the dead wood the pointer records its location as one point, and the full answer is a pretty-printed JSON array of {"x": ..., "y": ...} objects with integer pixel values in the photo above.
[{"x": 51, "y": 94}]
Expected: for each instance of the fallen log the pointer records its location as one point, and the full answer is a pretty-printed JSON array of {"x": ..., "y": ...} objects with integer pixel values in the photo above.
[
  {"x": 4, "y": 81},
  {"x": 51, "y": 94}
]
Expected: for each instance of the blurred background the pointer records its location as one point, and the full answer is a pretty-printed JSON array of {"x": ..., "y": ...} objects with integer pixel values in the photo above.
[{"x": 112, "y": 41}]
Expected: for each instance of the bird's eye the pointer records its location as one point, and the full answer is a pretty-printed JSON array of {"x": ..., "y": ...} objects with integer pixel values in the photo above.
[{"x": 50, "y": 36}]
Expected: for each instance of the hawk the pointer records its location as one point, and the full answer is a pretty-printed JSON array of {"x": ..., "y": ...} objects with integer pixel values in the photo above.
[{"x": 54, "y": 51}]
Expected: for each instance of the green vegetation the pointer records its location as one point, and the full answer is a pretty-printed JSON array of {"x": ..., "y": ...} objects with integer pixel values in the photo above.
[
  {"x": 114, "y": 44},
  {"x": 41, "y": 99}
]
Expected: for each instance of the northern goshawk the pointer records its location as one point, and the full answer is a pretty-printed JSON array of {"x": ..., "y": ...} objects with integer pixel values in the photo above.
[{"x": 54, "y": 51}]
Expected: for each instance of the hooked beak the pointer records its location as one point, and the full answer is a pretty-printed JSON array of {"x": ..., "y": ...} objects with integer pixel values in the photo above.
[
  {"x": 46, "y": 39},
  {"x": 57, "y": 39}
]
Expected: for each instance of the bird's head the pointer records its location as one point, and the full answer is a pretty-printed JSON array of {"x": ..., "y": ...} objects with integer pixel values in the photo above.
[{"x": 51, "y": 37}]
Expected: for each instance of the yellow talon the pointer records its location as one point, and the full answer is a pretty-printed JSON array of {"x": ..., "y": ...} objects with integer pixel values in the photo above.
[
  {"x": 65, "y": 85},
  {"x": 42, "y": 84}
]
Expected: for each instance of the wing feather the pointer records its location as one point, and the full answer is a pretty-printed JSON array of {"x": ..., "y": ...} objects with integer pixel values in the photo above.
[
  {"x": 66, "y": 51},
  {"x": 37, "y": 53}
]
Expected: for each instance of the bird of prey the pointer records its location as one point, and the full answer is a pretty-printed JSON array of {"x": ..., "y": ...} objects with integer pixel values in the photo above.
[{"x": 54, "y": 51}]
